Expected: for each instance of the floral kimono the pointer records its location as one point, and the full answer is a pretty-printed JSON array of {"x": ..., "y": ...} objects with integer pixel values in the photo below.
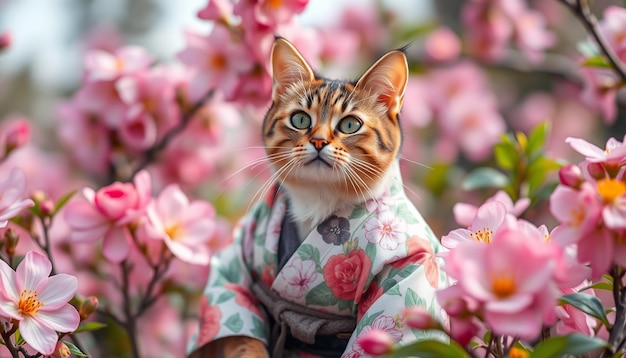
[{"x": 368, "y": 262}]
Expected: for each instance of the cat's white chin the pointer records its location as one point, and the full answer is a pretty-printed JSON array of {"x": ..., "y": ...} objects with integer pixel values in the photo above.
[{"x": 312, "y": 204}]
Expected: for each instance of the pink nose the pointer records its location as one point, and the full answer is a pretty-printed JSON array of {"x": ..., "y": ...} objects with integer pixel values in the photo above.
[{"x": 318, "y": 143}]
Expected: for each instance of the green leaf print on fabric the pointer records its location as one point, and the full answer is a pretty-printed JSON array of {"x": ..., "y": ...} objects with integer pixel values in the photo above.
[
  {"x": 320, "y": 295},
  {"x": 309, "y": 252},
  {"x": 413, "y": 299},
  {"x": 394, "y": 291},
  {"x": 225, "y": 296},
  {"x": 345, "y": 305},
  {"x": 259, "y": 329},
  {"x": 370, "y": 251},
  {"x": 234, "y": 323},
  {"x": 368, "y": 319},
  {"x": 358, "y": 212}
]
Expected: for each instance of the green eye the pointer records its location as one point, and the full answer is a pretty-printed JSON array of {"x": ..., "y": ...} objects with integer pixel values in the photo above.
[
  {"x": 301, "y": 120},
  {"x": 349, "y": 125}
]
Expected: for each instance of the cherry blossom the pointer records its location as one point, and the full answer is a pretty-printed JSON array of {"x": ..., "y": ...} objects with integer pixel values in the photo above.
[
  {"x": 38, "y": 302},
  {"x": 184, "y": 226},
  {"x": 488, "y": 219},
  {"x": 12, "y": 201}
]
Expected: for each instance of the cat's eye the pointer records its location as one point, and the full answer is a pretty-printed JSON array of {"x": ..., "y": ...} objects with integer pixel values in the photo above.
[
  {"x": 349, "y": 125},
  {"x": 301, "y": 120}
]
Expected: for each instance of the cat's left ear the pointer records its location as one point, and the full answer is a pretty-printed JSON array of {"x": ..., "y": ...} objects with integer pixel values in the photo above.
[{"x": 386, "y": 79}]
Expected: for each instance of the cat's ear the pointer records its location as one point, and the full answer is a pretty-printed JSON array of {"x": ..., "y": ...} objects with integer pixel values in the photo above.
[
  {"x": 386, "y": 79},
  {"x": 288, "y": 67}
]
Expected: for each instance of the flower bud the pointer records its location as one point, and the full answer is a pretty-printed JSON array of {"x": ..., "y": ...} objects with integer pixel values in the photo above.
[
  {"x": 61, "y": 351},
  {"x": 87, "y": 307},
  {"x": 571, "y": 175},
  {"x": 47, "y": 207},
  {"x": 376, "y": 342},
  {"x": 17, "y": 134},
  {"x": 596, "y": 170},
  {"x": 5, "y": 40},
  {"x": 418, "y": 318}
]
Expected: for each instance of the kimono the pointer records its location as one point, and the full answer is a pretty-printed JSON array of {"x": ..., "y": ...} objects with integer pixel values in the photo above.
[{"x": 367, "y": 262}]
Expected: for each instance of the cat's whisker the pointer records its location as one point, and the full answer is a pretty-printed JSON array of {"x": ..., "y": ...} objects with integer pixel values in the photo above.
[
  {"x": 264, "y": 189},
  {"x": 416, "y": 163}
]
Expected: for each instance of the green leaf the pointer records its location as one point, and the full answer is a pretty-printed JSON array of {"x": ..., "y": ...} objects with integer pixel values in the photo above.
[
  {"x": 234, "y": 323},
  {"x": 321, "y": 295},
  {"x": 506, "y": 156},
  {"x": 602, "y": 285},
  {"x": 560, "y": 346},
  {"x": 90, "y": 326},
  {"x": 589, "y": 304},
  {"x": 429, "y": 349},
  {"x": 358, "y": 212},
  {"x": 225, "y": 296},
  {"x": 74, "y": 350},
  {"x": 537, "y": 138},
  {"x": 259, "y": 329},
  {"x": 63, "y": 200},
  {"x": 484, "y": 178},
  {"x": 597, "y": 61},
  {"x": 309, "y": 252},
  {"x": 413, "y": 299}
]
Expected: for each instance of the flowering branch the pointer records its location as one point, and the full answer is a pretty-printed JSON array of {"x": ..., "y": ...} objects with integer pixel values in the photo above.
[
  {"x": 580, "y": 8},
  {"x": 150, "y": 154}
]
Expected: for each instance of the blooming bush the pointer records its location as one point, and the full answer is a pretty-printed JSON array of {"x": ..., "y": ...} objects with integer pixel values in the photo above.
[{"x": 110, "y": 214}]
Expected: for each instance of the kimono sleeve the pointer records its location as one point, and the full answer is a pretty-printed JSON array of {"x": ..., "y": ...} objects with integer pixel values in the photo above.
[
  {"x": 411, "y": 281},
  {"x": 228, "y": 307}
]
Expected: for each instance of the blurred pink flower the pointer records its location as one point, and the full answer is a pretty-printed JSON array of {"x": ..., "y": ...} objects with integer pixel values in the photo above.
[
  {"x": 105, "y": 66},
  {"x": 600, "y": 90},
  {"x": 613, "y": 28},
  {"x": 572, "y": 319},
  {"x": 6, "y": 39},
  {"x": 442, "y": 45},
  {"x": 217, "y": 60},
  {"x": 217, "y": 10},
  {"x": 107, "y": 213},
  {"x": 38, "y": 302},
  {"x": 184, "y": 226},
  {"x": 531, "y": 35},
  {"x": 578, "y": 212},
  {"x": 375, "y": 342},
  {"x": 14, "y": 133},
  {"x": 12, "y": 192},
  {"x": 272, "y": 12},
  {"x": 465, "y": 213}
]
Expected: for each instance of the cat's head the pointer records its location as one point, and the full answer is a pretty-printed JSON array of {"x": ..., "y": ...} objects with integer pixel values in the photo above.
[{"x": 331, "y": 133}]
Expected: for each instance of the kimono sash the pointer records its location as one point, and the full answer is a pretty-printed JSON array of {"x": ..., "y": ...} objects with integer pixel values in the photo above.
[{"x": 301, "y": 322}]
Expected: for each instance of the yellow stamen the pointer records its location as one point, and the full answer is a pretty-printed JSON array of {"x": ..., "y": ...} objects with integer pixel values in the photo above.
[
  {"x": 29, "y": 305},
  {"x": 175, "y": 231},
  {"x": 610, "y": 189},
  {"x": 518, "y": 353},
  {"x": 218, "y": 62},
  {"x": 503, "y": 286},
  {"x": 483, "y": 235},
  {"x": 274, "y": 4}
]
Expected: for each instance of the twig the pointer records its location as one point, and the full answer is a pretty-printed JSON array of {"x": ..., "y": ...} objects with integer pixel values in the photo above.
[
  {"x": 616, "y": 334},
  {"x": 580, "y": 8},
  {"x": 152, "y": 152}
]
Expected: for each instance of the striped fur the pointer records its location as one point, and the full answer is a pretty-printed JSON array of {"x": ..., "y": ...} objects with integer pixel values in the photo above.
[{"x": 349, "y": 168}]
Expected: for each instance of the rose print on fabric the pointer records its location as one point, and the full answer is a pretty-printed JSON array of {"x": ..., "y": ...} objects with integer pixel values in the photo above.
[
  {"x": 347, "y": 274},
  {"x": 420, "y": 251},
  {"x": 373, "y": 293},
  {"x": 210, "y": 317},
  {"x": 335, "y": 230},
  {"x": 386, "y": 230},
  {"x": 299, "y": 275},
  {"x": 244, "y": 298}
]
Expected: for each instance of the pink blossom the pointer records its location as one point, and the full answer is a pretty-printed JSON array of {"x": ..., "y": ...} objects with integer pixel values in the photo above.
[
  {"x": 600, "y": 90},
  {"x": 573, "y": 320},
  {"x": 465, "y": 213},
  {"x": 571, "y": 175},
  {"x": 299, "y": 275},
  {"x": 517, "y": 296},
  {"x": 38, "y": 302},
  {"x": 184, "y": 226},
  {"x": 418, "y": 317},
  {"x": 105, "y": 66},
  {"x": 375, "y": 342},
  {"x": 386, "y": 230},
  {"x": 6, "y": 39},
  {"x": 599, "y": 250},
  {"x": 489, "y": 27},
  {"x": 488, "y": 219},
  {"x": 107, "y": 213},
  {"x": 217, "y": 10},
  {"x": 272, "y": 13},
  {"x": 613, "y": 27},
  {"x": 217, "y": 60},
  {"x": 442, "y": 45},
  {"x": 578, "y": 211},
  {"x": 12, "y": 192},
  {"x": 14, "y": 134},
  {"x": 530, "y": 34},
  {"x": 614, "y": 153}
]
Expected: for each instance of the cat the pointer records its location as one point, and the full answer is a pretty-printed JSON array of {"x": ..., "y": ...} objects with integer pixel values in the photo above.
[{"x": 336, "y": 236}]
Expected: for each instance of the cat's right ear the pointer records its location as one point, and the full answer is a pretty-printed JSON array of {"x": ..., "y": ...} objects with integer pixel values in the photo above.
[{"x": 288, "y": 67}]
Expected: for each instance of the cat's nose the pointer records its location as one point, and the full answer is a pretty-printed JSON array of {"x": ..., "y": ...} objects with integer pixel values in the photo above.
[{"x": 318, "y": 143}]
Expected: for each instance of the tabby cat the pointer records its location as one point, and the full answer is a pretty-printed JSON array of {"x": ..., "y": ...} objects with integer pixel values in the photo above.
[{"x": 336, "y": 235}]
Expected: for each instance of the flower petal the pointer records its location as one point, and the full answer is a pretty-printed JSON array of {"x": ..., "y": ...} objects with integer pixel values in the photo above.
[
  {"x": 116, "y": 244},
  {"x": 41, "y": 338},
  {"x": 32, "y": 271},
  {"x": 64, "y": 319},
  {"x": 9, "y": 284},
  {"x": 59, "y": 290}
]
